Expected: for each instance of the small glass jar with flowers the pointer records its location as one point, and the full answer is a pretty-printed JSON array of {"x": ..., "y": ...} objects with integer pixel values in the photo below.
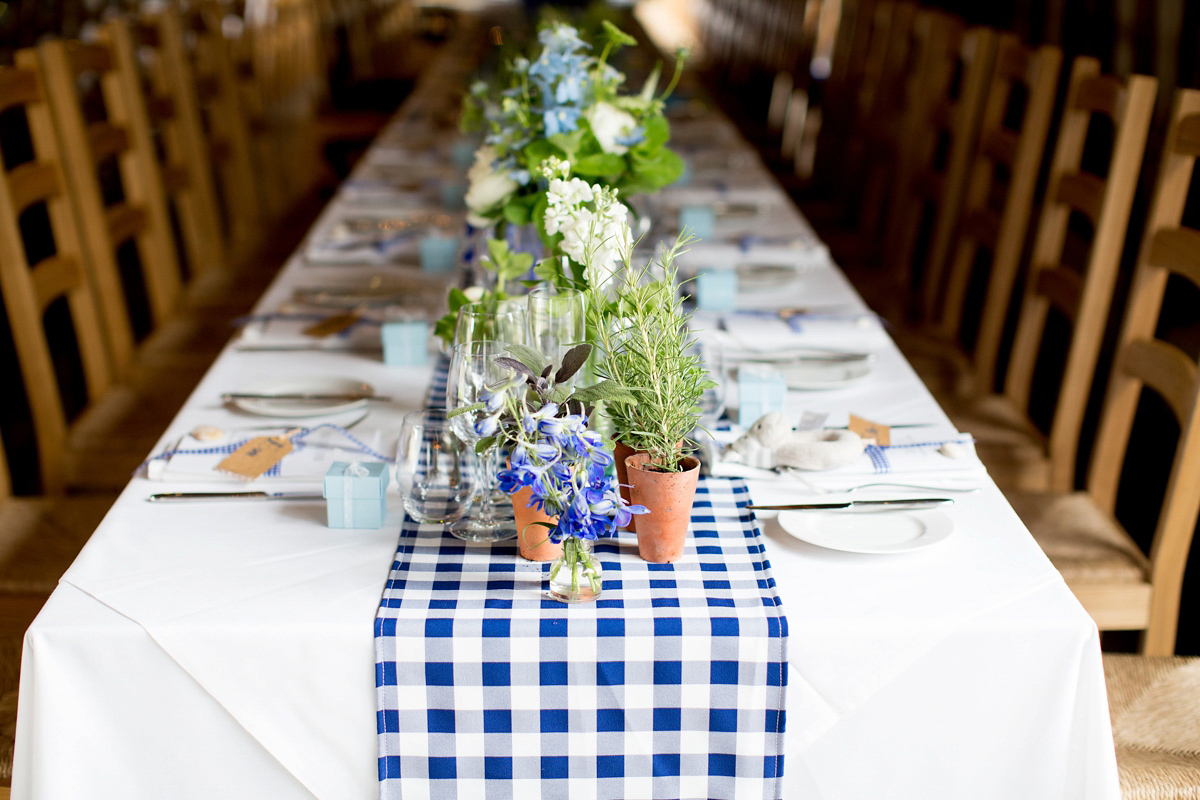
[{"x": 543, "y": 423}]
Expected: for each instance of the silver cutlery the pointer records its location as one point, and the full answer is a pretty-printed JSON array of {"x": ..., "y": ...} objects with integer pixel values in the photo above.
[
  {"x": 346, "y": 396},
  {"x": 911, "y": 503},
  {"x": 181, "y": 497}
]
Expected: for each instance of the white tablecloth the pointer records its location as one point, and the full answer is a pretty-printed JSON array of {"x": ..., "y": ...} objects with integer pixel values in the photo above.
[{"x": 225, "y": 650}]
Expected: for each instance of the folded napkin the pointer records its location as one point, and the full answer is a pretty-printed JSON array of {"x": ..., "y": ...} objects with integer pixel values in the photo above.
[
  {"x": 714, "y": 193},
  {"x": 747, "y": 334},
  {"x": 372, "y": 239},
  {"x": 286, "y": 329},
  {"x": 193, "y": 460}
]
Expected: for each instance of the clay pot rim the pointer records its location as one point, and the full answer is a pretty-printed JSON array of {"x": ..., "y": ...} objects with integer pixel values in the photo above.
[{"x": 692, "y": 462}]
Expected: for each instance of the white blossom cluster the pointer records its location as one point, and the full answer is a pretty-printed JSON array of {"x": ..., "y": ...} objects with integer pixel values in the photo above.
[
  {"x": 593, "y": 222},
  {"x": 488, "y": 187}
]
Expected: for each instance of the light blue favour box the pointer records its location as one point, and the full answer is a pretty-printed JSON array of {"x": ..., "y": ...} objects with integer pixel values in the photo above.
[
  {"x": 439, "y": 253},
  {"x": 700, "y": 220},
  {"x": 761, "y": 390},
  {"x": 716, "y": 290},
  {"x": 405, "y": 343},
  {"x": 354, "y": 501},
  {"x": 685, "y": 177},
  {"x": 462, "y": 153},
  {"x": 453, "y": 195}
]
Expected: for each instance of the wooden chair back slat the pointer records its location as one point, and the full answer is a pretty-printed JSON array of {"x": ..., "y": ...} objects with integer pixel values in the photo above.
[
  {"x": 106, "y": 140},
  {"x": 161, "y": 109},
  {"x": 125, "y": 222},
  {"x": 18, "y": 87},
  {"x": 27, "y": 291},
  {"x": 1133, "y": 108},
  {"x": 32, "y": 182},
  {"x": 1164, "y": 368},
  {"x": 1100, "y": 95},
  {"x": 1000, "y": 147},
  {"x": 1187, "y": 142},
  {"x": 1175, "y": 249},
  {"x": 1000, "y": 232},
  {"x": 1084, "y": 193},
  {"x": 54, "y": 277},
  {"x": 104, "y": 230},
  {"x": 84, "y": 57},
  {"x": 1143, "y": 361},
  {"x": 1063, "y": 289}
]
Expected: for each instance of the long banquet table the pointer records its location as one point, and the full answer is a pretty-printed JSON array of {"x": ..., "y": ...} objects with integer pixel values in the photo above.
[{"x": 225, "y": 649}]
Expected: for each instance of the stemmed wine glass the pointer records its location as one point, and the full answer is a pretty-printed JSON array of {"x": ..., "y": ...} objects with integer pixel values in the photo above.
[
  {"x": 503, "y": 322},
  {"x": 433, "y": 468},
  {"x": 473, "y": 368},
  {"x": 556, "y": 321}
]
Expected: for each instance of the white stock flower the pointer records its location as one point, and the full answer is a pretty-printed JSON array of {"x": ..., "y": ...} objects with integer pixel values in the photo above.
[
  {"x": 488, "y": 187},
  {"x": 610, "y": 123}
]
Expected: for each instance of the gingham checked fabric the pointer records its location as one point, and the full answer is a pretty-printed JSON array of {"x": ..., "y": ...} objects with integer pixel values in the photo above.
[{"x": 671, "y": 685}]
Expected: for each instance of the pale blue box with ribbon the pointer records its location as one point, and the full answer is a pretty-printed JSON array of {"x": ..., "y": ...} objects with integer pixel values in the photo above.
[
  {"x": 356, "y": 494},
  {"x": 761, "y": 390},
  {"x": 405, "y": 342},
  {"x": 716, "y": 290},
  {"x": 699, "y": 220},
  {"x": 439, "y": 253}
]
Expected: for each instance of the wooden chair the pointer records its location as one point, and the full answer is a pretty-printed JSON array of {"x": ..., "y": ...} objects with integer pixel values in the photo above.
[
  {"x": 930, "y": 184},
  {"x": 118, "y": 424},
  {"x": 140, "y": 217},
  {"x": 228, "y": 144},
  {"x": 1117, "y": 584},
  {"x": 991, "y": 228},
  {"x": 1152, "y": 703},
  {"x": 1010, "y": 444},
  {"x": 150, "y": 60}
]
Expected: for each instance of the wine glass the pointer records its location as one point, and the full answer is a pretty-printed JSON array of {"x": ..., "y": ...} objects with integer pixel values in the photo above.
[
  {"x": 473, "y": 368},
  {"x": 556, "y": 321},
  {"x": 712, "y": 402},
  {"x": 504, "y": 322},
  {"x": 433, "y": 468}
]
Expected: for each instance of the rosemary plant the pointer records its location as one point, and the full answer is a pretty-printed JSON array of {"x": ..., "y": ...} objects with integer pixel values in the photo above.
[{"x": 643, "y": 338}]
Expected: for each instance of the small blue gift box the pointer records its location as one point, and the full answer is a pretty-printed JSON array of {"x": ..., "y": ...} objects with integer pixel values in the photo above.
[
  {"x": 356, "y": 494},
  {"x": 454, "y": 196},
  {"x": 405, "y": 342},
  {"x": 462, "y": 153},
  {"x": 685, "y": 177},
  {"x": 716, "y": 290},
  {"x": 761, "y": 390},
  {"x": 439, "y": 253},
  {"x": 700, "y": 220}
]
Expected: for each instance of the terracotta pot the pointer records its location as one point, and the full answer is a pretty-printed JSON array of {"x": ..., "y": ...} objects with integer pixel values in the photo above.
[
  {"x": 622, "y": 451},
  {"x": 532, "y": 540},
  {"x": 669, "y": 495}
]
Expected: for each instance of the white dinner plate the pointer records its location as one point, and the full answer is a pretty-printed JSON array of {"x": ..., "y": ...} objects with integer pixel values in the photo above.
[
  {"x": 817, "y": 375},
  {"x": 302, "y": 385},
  {"x": 877, "y": 532}
]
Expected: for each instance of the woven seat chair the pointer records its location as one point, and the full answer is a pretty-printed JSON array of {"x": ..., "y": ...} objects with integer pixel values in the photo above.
[
  {"x": 132, "y": 228},
  {"x": 990, "y": 229},
  {"x": 1122, "y": 588},
  {"x": 1017, "y": 454},
  {"x": 119, "y": 424},
  {"x": 1155, "y": 709}
]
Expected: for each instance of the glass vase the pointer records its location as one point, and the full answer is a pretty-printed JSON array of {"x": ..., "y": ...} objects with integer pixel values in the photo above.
[{"x": 575, "y": 576}]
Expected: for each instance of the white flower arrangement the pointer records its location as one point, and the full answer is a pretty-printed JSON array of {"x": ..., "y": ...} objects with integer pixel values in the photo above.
[{"x": 592, "y": 220}]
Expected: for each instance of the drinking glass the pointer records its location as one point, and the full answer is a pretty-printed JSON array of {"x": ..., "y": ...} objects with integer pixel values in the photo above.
[
  {"x": 434, "y": 468},
  {"x": 556, "y": 321},
  {"x": 472, "y": 369},
  {"x": 504, "y": 323}
]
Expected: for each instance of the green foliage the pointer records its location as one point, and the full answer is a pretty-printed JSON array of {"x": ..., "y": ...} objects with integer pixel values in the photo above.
[{"x": 644, "y": 346}]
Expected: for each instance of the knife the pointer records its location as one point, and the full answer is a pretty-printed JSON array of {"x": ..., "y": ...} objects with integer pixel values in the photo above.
[
  {"x": 347, "y": 396},
  {"x": 878, "y": 505},
  {"x": 180, "y": 497}
]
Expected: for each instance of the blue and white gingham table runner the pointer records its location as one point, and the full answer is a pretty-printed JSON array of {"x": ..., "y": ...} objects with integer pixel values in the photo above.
[{"x": 669, "y": 686}]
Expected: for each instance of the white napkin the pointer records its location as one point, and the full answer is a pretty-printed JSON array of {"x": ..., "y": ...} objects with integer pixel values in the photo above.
[
  {"x": 307, "y": 463},
  {"x": 749, "y": 334},
  {"x": 287, "y": 330}
]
